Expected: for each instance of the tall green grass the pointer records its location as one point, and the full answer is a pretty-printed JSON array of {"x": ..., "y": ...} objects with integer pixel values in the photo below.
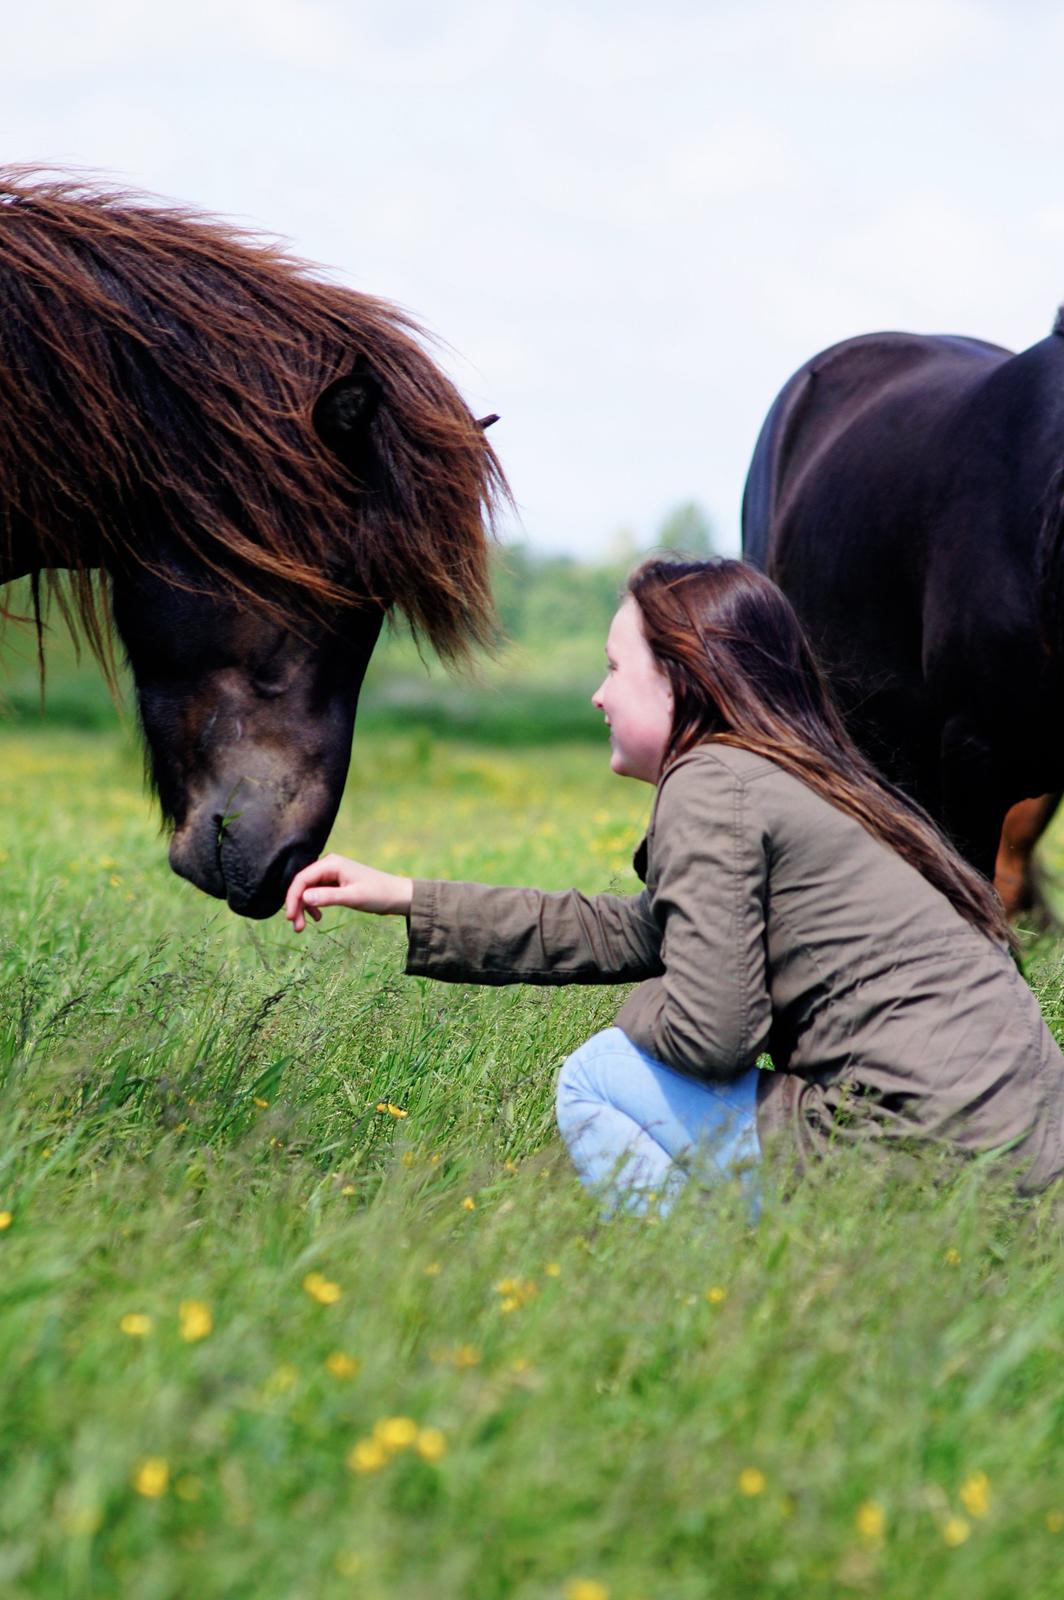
[{"x": 300, "y": 1297}]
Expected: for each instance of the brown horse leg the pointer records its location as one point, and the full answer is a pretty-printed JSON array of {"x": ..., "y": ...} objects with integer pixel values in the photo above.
[{"x": 1024, "y": 825}]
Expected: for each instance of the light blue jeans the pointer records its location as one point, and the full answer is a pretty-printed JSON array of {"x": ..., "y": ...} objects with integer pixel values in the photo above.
[{"x": 638, "y": 1130}]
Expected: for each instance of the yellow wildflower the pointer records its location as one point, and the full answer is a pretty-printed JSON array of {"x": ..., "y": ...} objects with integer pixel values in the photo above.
[
  {"x": 407, "y": 1158},
  {"x": 975, "y": 1494},
  {"x": 433, "y": 1269},
  {"x": 366, "y": 1456},
  {"x": 469, "y": 1204},
  {"x": 953, "y": 1259},
  {"x": 716, "y": 1295},
  {"x": 395, "y": 1433},
  {"x": 6, "y": 1220},
  {"x": 319, "y": 1287},
  {"x": 751, "y": 1481},
  {"x": 136, "y": 1323},
  {"x": 586, "y": 1589},
  {"x": 152, "y": 1477},
  {"x": 955, "y": 1530},
  {"x": 341, "y": 1365},
  {"x": 261, "y": 1103},
  {"x": 392, "y": 1111},
  {"x": 552, "y": 1269},
  {"x": 871, "y": 1520},
  {"x": 430, "y": 1444},
  {"x": 515, "y": 1292},
  {"x": 196, "y": 1320},
  {"x": 348, "y": 1188}
]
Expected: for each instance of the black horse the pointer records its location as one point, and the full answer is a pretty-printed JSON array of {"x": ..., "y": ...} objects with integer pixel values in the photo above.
[
  {"x": 247, "y": 467},
  {"x": 906, "y": 493}
]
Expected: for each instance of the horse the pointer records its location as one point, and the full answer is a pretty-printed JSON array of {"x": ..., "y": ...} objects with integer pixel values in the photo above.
[
  {"x": 241, "y": 469},
  {"x": 906, "y": 494}
]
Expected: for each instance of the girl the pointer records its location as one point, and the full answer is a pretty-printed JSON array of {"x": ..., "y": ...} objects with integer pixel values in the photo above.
[{"x": 795, "y": 903}]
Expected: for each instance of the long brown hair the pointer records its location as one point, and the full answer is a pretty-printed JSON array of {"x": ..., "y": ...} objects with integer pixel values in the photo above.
[
  {"x": 743, "y": 673},
  {"x": 159, "y": 370}
]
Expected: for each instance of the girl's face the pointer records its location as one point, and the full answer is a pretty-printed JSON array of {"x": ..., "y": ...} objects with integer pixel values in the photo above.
[{"x": 635, "y": 698}]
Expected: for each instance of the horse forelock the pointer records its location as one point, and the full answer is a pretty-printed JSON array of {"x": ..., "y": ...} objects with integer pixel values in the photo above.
[{"x": 159, "y": 369}]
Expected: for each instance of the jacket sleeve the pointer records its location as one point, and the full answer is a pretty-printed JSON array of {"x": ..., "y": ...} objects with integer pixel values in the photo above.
[
  {"x": 476, "y": 933},
  {"x": 709, "y": 1015}
]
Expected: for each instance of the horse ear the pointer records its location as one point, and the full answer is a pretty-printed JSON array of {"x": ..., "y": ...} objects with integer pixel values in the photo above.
[{"x": 343, "y": 412}]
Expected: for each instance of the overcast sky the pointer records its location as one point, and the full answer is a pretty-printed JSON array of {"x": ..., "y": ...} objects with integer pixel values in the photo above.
[{"x": 629, "y": 224}]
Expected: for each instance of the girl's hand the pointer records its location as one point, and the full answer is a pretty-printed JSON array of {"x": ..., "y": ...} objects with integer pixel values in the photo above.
[{"x": 335, "y": 881}]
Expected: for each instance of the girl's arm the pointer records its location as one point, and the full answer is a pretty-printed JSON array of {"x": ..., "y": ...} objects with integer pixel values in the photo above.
[{"x": 477, "y": 933}]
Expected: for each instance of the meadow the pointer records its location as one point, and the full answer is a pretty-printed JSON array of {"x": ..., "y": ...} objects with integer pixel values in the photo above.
[{"x": 299, "y": 1297}]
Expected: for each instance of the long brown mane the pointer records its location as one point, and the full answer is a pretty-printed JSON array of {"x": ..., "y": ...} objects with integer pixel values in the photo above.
[{"x": 158, "y": 370}]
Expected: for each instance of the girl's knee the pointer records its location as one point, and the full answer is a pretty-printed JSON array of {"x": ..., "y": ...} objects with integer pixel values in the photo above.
[{"x": 578, "y": 1077}]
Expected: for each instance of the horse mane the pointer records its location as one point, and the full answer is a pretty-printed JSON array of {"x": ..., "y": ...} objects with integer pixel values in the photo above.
[{"x": 158, "y": 371}]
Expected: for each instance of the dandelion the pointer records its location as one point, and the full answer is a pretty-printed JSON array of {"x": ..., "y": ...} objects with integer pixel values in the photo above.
[
  {"x": 751, "y": 1481},
  {"x": 955, "y": 1531},
  {"x": 368, "y": 1455},
  {"x": 433, "y": 1269},
  {"x": 407, "y": 1158},
  {"x": 321, "y": 1289},
  {"x": 586, "y": 1589},
  {"x": 395, "y": 1433},
  {"x": 136, "y": 1324},
  {"x": 552, "y": 1269},
  {"x": 195, "y": 1319},
  {"x": 6, "y": 1219},
  {"x": 390, "y": 1110},
  {"x": 348, "y": 1188},
  {"x": 871, "y": 1520},
  {"x": 469, "y": 1204},
  {"x": 975, "y": 1494},
  {"x": 341, "y": 1365},
  {"x": 262, "y": 1104},
  {"x": 152, "y": 1477},
  {"x": 716, "y": 1295},
  {"x": 430, "y": 1444},
  {"x": 953, "y": 1259}
]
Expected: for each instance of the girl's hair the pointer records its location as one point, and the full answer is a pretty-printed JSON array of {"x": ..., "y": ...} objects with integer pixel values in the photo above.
[{"x": 743, "y": 673}]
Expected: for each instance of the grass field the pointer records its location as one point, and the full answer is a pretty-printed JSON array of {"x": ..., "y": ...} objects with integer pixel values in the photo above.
[{"x": 300, "y": 1298}]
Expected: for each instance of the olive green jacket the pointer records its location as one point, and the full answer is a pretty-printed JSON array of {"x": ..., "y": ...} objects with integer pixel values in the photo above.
[{"x": 773, "y": 922}]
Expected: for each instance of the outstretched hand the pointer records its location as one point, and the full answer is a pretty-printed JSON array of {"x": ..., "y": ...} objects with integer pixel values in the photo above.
[{"x": 336, "y": 881}]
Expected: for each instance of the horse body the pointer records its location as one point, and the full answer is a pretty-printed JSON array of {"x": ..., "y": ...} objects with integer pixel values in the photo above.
[
  {"x": 246, "y": 468},
  {"x": 904, "y": 494}
]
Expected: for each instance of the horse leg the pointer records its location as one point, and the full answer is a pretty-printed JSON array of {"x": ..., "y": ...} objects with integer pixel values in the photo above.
[
  {"x": 1024, "y": 825},
  {"x": 975, "y": 797}
]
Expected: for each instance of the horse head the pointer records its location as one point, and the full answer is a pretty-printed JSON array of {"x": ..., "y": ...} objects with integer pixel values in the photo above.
[
  {"x": 264, "y": 465},
  {"x": 248, "y": 721}
]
